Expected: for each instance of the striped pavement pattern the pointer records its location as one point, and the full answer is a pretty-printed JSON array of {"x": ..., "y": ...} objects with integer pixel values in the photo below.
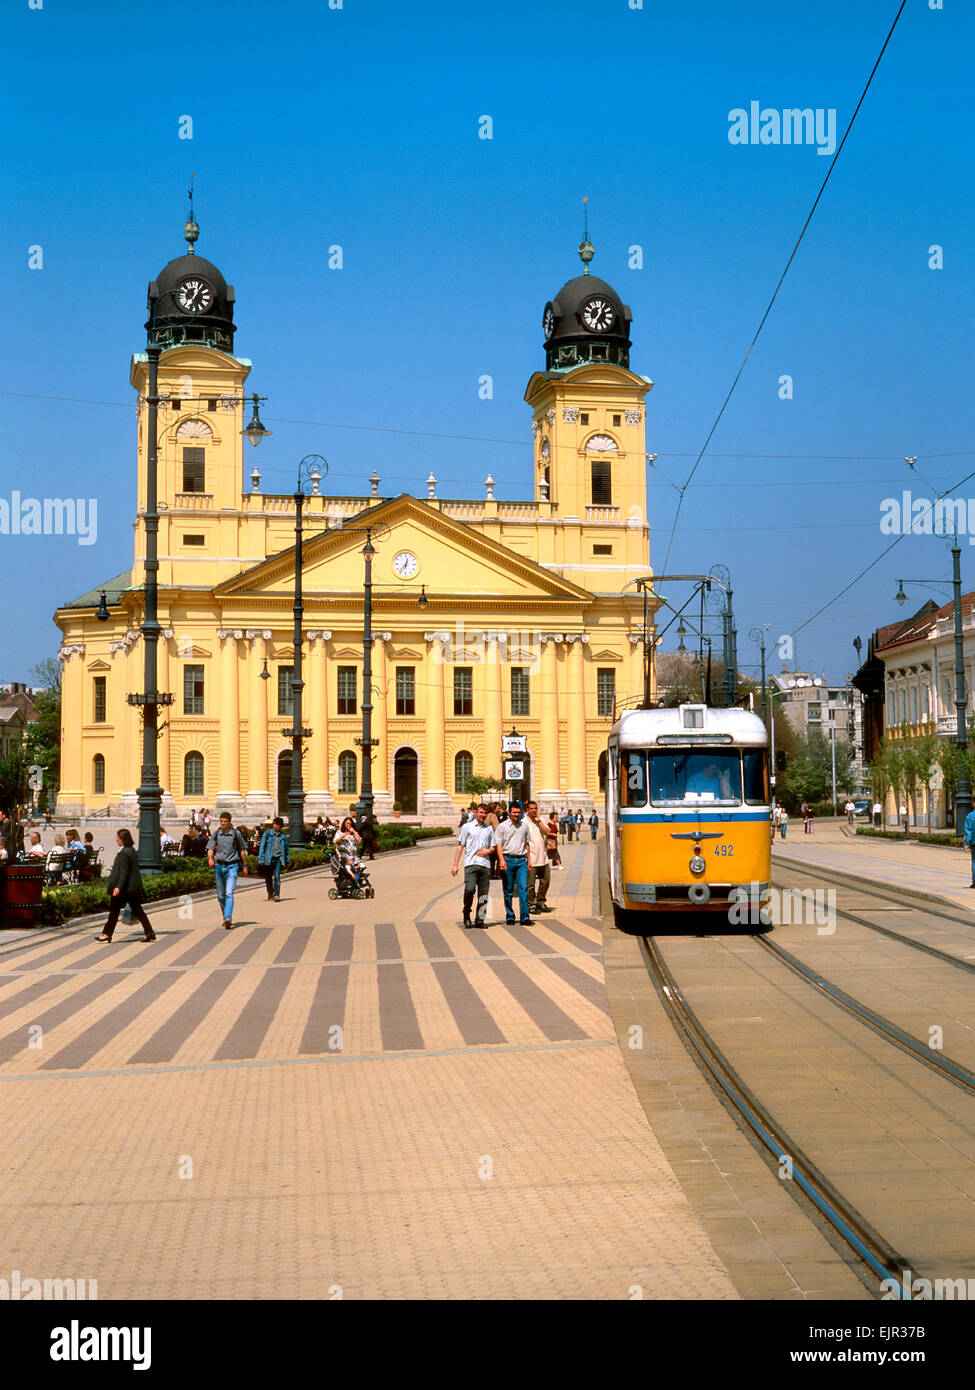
[{"x": 200, "y": 996}]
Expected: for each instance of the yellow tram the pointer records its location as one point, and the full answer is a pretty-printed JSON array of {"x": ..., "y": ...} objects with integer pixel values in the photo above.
[{"x": 687, "y": 811}]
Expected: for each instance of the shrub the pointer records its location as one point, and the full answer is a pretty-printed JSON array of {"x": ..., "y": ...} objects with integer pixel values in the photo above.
[{"x": 943, "y": 839}]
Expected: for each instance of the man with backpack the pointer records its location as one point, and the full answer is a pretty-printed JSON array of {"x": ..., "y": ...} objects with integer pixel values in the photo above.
[{"x": 227, "y": 854}]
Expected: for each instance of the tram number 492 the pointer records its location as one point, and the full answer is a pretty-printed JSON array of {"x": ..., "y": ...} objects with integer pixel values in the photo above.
[{"x": 724, "y": 849}]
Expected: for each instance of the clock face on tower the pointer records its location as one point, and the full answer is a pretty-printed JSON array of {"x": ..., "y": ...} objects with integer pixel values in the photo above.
[
  {"x": 548, "y": 321},
  {"x": 194, "y": 296},
  {"x": 405, "y": 564},
  {"x": 598, "y": 315}
]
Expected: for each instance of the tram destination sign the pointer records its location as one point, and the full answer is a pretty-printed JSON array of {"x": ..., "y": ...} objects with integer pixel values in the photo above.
[{"x": 694, "y": 738}]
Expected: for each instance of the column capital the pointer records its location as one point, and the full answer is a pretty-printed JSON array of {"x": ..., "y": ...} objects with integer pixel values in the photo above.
[
  {"x": 70, "y": 650},
  {"x": 254, "y": 633},
  {"x": 441, "y": 636},
  {"x": 635, "y": 639},
  {"x": 544, "y": 637},
  {"x": 582, "y": 637},
  {"x": 382, "y": 636},
  {"x": 225, "y": 633},
  {"x": 167, "y": 632},
  {"x": 319, "y": 634}
]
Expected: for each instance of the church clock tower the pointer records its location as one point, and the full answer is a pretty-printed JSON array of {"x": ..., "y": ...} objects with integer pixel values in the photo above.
[{"x": 588, "y": 407}]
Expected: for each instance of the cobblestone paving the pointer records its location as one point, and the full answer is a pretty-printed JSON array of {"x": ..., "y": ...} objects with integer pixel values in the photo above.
[{"x": 355, "y": 1099}]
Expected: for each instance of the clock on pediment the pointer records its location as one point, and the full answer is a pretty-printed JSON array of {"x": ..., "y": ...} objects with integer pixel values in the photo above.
[{"x": 405, "y": 564}]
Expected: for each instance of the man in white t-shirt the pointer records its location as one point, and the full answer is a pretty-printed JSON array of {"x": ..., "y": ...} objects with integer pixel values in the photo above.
[{"x": 475, "y": 841}]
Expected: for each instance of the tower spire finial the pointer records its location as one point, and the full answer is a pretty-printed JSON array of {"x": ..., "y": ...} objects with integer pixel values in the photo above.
[
  {"x": 586, "y": 248},
  {"x": 191, "y": 229}
]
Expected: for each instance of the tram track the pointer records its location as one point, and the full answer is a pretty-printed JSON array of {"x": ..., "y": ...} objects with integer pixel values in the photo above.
[
  {"x": 875, "y": 1112},
  {"x": 843, "y": 1219}
]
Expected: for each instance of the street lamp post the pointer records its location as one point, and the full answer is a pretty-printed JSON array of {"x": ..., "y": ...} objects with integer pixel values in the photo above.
[
  {"x": 308, "y": 477},
  {"x": 757, "y": 635},
  {"x": 367, "y": 742},
  {"x": 963, "y": 787}
]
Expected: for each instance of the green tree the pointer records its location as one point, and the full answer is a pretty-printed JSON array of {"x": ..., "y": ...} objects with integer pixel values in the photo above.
[
  {"x": 919, "y": 758},
  {"x": 479, "y": 786},
  {"x": 42, "y": 741},
  {"x": 14, "y": 796}
]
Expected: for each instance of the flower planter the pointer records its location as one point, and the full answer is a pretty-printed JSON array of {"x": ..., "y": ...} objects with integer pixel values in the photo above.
[{"x": 22, "y": 884}]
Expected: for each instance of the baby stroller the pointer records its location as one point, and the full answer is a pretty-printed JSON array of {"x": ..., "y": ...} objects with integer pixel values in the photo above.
[{"x": 351, "y": 878}]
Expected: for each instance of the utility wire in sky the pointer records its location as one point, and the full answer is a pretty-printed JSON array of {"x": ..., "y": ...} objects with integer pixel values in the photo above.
[{"x": 768, "y": 310}]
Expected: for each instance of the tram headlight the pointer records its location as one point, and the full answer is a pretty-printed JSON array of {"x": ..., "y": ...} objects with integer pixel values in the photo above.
[{"x": 697, "y": 864}]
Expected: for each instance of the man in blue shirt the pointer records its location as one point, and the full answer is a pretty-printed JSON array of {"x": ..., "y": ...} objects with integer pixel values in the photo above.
[{"x": 969, "y": 839}]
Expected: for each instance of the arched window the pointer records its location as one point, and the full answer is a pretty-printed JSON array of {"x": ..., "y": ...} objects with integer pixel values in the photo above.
[
  {"x": 193, "y": 774},
  {"x": 98, "y": 774},
  {"x": 463, "y": 768},
  {"x": 347, "y": 773}
]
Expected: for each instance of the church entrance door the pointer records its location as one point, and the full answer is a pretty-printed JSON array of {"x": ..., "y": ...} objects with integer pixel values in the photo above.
[
  {"x": 405, "y": 777},
  {"x": 284, "y": 783}
]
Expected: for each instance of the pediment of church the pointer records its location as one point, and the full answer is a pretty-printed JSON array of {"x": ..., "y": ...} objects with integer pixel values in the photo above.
[
  {"x": 98, "y": 666},
  {"x": 606, "y": 655},
  {"x": 453, "y": 560}
]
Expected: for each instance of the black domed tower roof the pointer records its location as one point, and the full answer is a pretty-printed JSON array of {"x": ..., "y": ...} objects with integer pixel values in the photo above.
[
  {"x": 587, "y": 321},
  {"x": 191, "y": 302}
]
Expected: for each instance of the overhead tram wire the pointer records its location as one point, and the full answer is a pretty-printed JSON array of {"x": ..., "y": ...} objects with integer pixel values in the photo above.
[
  {"x": 785, "y": 272},
  {"x": 896, "y": 541}
]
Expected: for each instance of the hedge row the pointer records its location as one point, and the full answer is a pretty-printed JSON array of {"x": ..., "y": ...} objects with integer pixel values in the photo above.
[
  {"x": 923, "y": 838},
  {"x": 182, "y": 876}
]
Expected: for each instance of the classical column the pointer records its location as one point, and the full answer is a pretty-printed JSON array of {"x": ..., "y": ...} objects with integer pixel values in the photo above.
[
  {"x": 228, "y": 798},
  {"x": 495, "y": 651},
  {"x": 71, "y": 793},
  {"x": 436, "y": 801},
  {"x": 258, "y": 803},
  {"x": 167, "y": 806},
  {"x": 382, "y": 801},
  {"x": 318, "y": 797},
  {"x": 577, "y": 792},
  {"x": 547, "y": 753}
]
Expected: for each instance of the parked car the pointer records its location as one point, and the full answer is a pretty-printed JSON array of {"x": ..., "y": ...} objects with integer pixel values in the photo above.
[{"x": 862, "y": 806}]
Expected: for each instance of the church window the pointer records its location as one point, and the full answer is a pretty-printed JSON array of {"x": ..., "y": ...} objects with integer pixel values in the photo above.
[
  {"x": 617, "y": 419},
  {"x": 193, "y": 774},
  {"x": 212, "y": 405},
  {"x": 463, "y": 690},
  {"x": 347, "y": 773},
  {"x": 583, "y": 419},
  {"x": 98, "y": 774},
  {"x": 602, "y": 483},
  {"x": 406, "y": 690},
  {"x": 347, "y": 690},
  {"x": 286, "y": 695},
  {"x": 463, "y": 769},
  {"x": 605, "y": 691},
  {"x": 602, "y": 550},
  {"x": 194, "y": 459},
  {"x": 194, "y": 540},
  {"x": 520, "y": 698},
  {"x": 99, "y": 714},
  {"x": 192, "y": 689}
]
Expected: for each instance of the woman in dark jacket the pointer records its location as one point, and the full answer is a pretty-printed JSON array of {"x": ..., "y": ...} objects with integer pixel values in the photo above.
[{"x": 125, "y": 886}]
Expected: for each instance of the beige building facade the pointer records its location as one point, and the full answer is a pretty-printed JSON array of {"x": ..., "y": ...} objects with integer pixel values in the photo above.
[{"x": 487, "y": 614}]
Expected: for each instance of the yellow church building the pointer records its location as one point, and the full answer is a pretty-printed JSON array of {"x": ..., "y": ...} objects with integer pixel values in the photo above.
[{"x": 488, "y": 615}]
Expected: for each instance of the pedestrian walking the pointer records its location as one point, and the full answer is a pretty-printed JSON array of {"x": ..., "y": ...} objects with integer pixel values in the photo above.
[
  {"x": 580, "y": 819},
  {"x": 366, "y": 825},
  {"x": 968, "y": 835},
  {"x": 776, "y": 819},
  {"x": 593, "y": 824},
  {"x": 563, "y": 823},
  {"x": 475, "y": 841},
  {"x": 552, "y": 840},
  {"x": 905, "y": 819},
  {"x": 540, "y": 871},
  {"x": 877, "y": 813},
  {"x": 783, "y": 822},
  {"x": 273, "y": 856},
  {"x": 850, "y": 810},
  {"x": 570, "y": 824},
  {"x": 514, "y": 856},
  {"x": 227, "y": 855},
  {"x": 125, "y": 889}
]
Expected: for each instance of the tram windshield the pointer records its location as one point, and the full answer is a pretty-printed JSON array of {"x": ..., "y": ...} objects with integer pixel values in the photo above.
[{"x": 710, "y": 777}]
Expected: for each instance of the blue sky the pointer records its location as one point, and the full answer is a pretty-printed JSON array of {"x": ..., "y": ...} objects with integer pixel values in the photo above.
[{"x": 359, "y": 127}]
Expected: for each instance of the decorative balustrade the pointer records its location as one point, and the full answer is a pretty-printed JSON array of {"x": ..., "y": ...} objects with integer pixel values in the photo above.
[
  {"x": 518, "y": 511},
  {"x": 947, "y": 724},
  {"x": 193, "y": 502},
  {"x": 602, "y": 513},
  {"x": 463, "y": 511}
]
